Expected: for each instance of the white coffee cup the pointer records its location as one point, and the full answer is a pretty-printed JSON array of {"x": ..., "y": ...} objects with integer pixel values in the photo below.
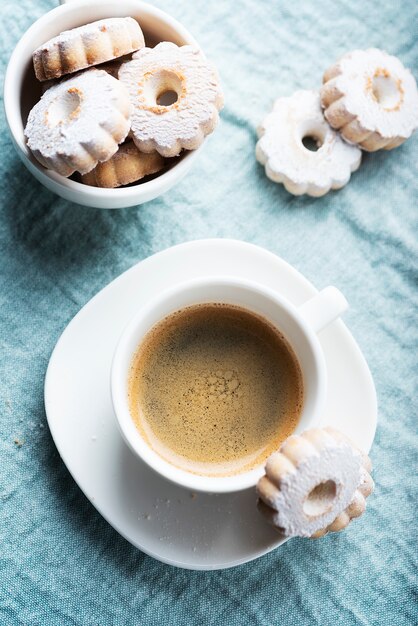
[
  {"x": 299, "y": 325},
  {"x": 22, "y": 91}
]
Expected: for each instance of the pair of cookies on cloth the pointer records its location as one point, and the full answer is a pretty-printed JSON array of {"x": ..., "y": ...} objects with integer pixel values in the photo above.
[
  {"x": 99, "y": 97},
  {"x": 316, "y": 483},
  {"x": 368, "y": 101}
]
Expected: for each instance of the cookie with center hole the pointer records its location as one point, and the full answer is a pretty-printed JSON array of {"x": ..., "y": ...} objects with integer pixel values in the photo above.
[
  {"x": 371, "y": 98},
  {"x": 175, "y": 95},
  {"x": 299, "y": 149},
  {"x": 316, "y": 483},
  {"x": 79, "y": 122}
]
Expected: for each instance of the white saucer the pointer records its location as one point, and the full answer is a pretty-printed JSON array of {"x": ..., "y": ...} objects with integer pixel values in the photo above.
[{"x": 194, "y": 531}]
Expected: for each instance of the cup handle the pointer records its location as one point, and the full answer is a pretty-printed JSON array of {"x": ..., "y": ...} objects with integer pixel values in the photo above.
[{"x": 323, "y": 308}]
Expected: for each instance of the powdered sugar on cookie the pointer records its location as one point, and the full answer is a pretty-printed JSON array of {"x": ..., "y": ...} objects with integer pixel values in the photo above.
[
  {"x": 371, "y": 98},
  {"x": 184, "y": 75},
  {"x": 316, "y": 483},
  {"x": 88, "y": 45},
  {"x": 79, "y": 122},
  {"x": 281, "y": 150}
]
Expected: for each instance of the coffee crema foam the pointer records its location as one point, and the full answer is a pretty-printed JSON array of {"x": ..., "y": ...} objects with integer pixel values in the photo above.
[{"x": 215, "y": 389}]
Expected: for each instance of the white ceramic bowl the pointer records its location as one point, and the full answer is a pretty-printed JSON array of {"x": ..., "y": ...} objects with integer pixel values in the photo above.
[
  {"x": 299, "y": 325},
  {"x": 22, "y": 91}
]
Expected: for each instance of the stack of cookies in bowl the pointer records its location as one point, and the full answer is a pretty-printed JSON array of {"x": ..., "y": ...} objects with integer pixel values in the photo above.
[{"x": 113, "y": 111}]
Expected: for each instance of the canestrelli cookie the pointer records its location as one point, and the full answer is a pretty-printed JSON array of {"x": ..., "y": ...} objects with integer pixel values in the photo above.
[
  {"x": 371, "y": 98},
  {"x": 183, "y": 73},
  {"x": 79, "y": 122},
  {"x": 286, "y": 159},
  {"x": 86, "y": 46},
  {"x": 316, "y": 483},
  {"x": 127, "y": 165}
]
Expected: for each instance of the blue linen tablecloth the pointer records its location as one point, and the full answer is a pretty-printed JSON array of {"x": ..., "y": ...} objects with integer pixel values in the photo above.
[{"x": 60, "y": 562}]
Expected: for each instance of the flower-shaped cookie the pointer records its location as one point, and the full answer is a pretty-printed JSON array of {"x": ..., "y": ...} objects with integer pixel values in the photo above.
[
  {"x": 88, "y": 45},
  {"x": 79, "y": 122},
  {"x": 286, "y": 159},
  {"x": 175, "y": 95},
  {"x": 317, "y": 483},
  {"x": 127, "y": 165},
  {"x": 371, "y": 98}
]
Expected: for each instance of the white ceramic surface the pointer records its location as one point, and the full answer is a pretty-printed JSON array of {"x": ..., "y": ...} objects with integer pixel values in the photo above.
[
  {"x": 168, "y": 522},
  {"x": 22, "y": 91},
  {"x": 298, "y": 324}
]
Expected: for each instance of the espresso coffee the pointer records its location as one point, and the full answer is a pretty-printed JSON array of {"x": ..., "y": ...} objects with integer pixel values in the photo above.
[{"x": 215, "y": 389}]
